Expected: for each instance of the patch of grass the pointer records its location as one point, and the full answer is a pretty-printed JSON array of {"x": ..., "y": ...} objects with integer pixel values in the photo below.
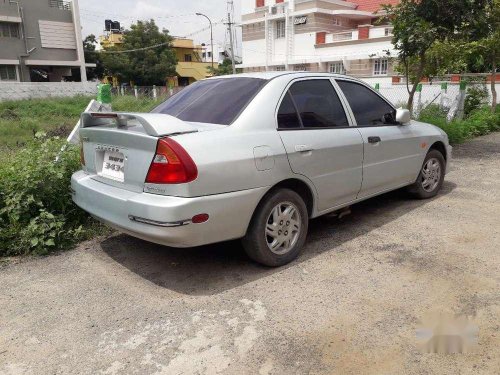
[
  {"x": 131, "y": 104},
  {"x": 479, "y": 122},
  {"x": 20, "y": 120}
]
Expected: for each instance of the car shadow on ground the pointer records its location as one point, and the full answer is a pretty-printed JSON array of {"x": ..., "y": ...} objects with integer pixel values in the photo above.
[{"x": 212, "y": 269}]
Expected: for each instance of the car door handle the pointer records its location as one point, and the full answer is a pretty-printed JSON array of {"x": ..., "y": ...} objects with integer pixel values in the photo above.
[
  {"x": 303, "y": 148},
  {"x": 374, "y": 139}
]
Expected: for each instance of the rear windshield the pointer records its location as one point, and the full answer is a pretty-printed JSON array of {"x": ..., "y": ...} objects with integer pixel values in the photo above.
[{"x": 215, "y": 101}]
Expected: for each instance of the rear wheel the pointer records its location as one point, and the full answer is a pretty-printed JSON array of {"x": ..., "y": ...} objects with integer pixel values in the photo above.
[
  {"x": 431, "y": 176},
  {"x": 278, "y": 229}
]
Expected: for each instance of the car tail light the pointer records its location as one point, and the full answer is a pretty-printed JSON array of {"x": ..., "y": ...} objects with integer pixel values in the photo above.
[
  {"x": 82, "y": 155},
  {"x": 171, "y": 164}
]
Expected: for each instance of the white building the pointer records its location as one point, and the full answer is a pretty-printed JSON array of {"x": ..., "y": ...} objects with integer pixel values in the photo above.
[
  {"x": 327, "y": 35},
  {"x": 219, "y": 54}
]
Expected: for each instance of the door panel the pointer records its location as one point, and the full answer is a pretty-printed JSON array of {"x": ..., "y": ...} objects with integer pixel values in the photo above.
[
  {"x": 319, "y": 142},
  {"x": 331, "y": 158},
  {"x": 393, "y": 161},
  {"x": 391, "y": 152}
]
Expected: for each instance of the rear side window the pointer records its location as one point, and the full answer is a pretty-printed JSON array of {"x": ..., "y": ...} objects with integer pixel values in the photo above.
[
  {"x": 215, "y": 101},
  {"x": 318, "y": 104},
  {"x": 287, "y": 114},
  {"x": 369, "y": 109}
]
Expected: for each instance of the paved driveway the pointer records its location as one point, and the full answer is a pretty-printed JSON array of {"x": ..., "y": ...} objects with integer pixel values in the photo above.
[{"x": 350, "y": 304}]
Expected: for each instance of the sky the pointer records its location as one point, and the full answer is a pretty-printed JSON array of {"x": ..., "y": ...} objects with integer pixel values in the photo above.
[{"x": 178, "y": 16}]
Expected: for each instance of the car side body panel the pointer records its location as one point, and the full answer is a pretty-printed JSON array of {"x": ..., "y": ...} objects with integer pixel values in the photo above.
[{"x": 238, "y": 164}]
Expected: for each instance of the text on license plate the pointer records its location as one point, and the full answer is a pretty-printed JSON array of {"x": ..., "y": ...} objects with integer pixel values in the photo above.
[{"x": 113, "y": 165}]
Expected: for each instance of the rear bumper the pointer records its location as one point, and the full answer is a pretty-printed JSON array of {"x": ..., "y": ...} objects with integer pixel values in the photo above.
[{"x": 166, "y": 219}]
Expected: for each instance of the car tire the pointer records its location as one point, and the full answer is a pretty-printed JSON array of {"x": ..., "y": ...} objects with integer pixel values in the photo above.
[
  {"x": 431, "y": 176},
  {"x": 278, "y": 229}
]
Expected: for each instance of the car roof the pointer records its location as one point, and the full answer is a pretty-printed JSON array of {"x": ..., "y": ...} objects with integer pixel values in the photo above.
[{"x": 274, "y": 74}]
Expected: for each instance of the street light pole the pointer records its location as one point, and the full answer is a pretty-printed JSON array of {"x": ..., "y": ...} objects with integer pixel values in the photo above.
[{"x": 211, "y": 36}]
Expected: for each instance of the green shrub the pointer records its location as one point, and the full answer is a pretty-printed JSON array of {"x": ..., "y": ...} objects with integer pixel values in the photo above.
[
  {"x": 479, "y": 122},
  {"x": 37, "y": 215},
  {"x": 477, "y": 96}
]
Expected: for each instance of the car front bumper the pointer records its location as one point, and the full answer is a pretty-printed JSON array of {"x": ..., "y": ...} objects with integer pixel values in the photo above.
[{"x": 166, "y": 220}]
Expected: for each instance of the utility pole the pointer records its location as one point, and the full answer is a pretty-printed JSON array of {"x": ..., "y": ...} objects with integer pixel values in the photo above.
[{"x": 230, "y": 29}]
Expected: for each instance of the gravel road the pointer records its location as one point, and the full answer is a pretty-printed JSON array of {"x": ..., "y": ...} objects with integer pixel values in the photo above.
[{"x": 349, "y": 305}]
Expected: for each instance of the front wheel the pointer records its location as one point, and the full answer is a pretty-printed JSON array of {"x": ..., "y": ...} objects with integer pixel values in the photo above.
[
  {"x": 278, "y": 229},
  {"x": 431, "y": 176}
]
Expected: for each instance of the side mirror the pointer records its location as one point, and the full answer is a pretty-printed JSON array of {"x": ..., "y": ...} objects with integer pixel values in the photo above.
[{"x": 403, "y": 116}]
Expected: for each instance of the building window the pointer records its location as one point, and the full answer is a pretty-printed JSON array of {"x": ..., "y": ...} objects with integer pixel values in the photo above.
[
  {"x": 63, "y": 5},
  {"x": 388, "y": 31},
  {"x": 380, "y": 67},
  {"x": 8, "y": 73},
  {"x": 259, "y": 3},
  {"x": 188, "y": 58},
  {"x": 280, "y": 68},
  {"x": 337, "y": 67},
  {"x": 300, "y": 68},
  {"x": 337, "y": 21},
  {"x": 9, "y": 30},
  {"x": 280, "y": 29}
]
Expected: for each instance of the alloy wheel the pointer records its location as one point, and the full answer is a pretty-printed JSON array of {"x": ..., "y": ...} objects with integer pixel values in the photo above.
[
  {"x": 283, "y": 228},
  {"x": 431, "y": 174}
]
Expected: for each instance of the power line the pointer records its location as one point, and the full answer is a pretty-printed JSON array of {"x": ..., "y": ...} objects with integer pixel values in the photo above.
[
  {"x": 131, "y": 50},
  {"x": 149, "y": 47},
  {"x": 117, "y": 15}
]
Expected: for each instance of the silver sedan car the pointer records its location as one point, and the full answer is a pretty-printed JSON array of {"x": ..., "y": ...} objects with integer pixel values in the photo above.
[{"x": 252, "y": 156}]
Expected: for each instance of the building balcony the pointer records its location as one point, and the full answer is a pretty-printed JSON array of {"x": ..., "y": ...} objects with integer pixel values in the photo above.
[
  {"x": 362, "y": 33},
  {"x": 193, "y": 69}
]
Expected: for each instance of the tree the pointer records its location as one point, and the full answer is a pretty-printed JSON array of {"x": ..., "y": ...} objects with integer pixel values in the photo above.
[
  {"x": 486, "y": 45},
  {"x": 143, "y": 65},
  {"x": 91, "y": 56},
  {"x": 223, "y": 69},
  {"x": 419, "y": 26}
]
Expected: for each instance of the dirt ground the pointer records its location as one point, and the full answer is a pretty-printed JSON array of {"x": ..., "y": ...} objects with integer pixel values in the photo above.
[{"x": 350, "y": 304}]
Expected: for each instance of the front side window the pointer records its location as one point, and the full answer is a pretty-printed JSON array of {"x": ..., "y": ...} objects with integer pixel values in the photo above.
[
  {"x": 317, "y": 104},
  {"x": 368, "y": 107},
  {"x": 280, "y": 29},
  {"x": 380, "y": 67},
  {"x": 8, "y": 73},
  {"x": 215, "y": 101}
]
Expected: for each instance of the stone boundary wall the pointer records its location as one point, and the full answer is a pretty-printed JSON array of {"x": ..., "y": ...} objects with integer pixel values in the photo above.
[{"x": 31, "y": 90}]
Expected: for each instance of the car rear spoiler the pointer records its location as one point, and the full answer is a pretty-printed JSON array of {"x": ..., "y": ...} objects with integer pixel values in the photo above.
[{"x": 155, "y": 124}]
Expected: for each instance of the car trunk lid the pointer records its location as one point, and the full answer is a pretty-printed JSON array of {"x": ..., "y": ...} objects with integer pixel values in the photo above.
[{"x": 118, "y": 148}]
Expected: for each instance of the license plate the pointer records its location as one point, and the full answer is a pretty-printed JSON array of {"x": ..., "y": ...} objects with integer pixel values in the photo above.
[{"x": 113, "y": 165}]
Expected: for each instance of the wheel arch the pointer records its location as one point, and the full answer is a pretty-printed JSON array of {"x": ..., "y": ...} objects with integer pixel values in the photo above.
[
  {"x": 439, "y": 146},
  {"x": 302, "y": 188}
]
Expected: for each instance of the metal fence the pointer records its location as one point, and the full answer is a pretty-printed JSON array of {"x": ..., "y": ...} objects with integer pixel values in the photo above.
[
  {"x": 450, "y": 97},
  {"x": 146, "y": 92}
]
